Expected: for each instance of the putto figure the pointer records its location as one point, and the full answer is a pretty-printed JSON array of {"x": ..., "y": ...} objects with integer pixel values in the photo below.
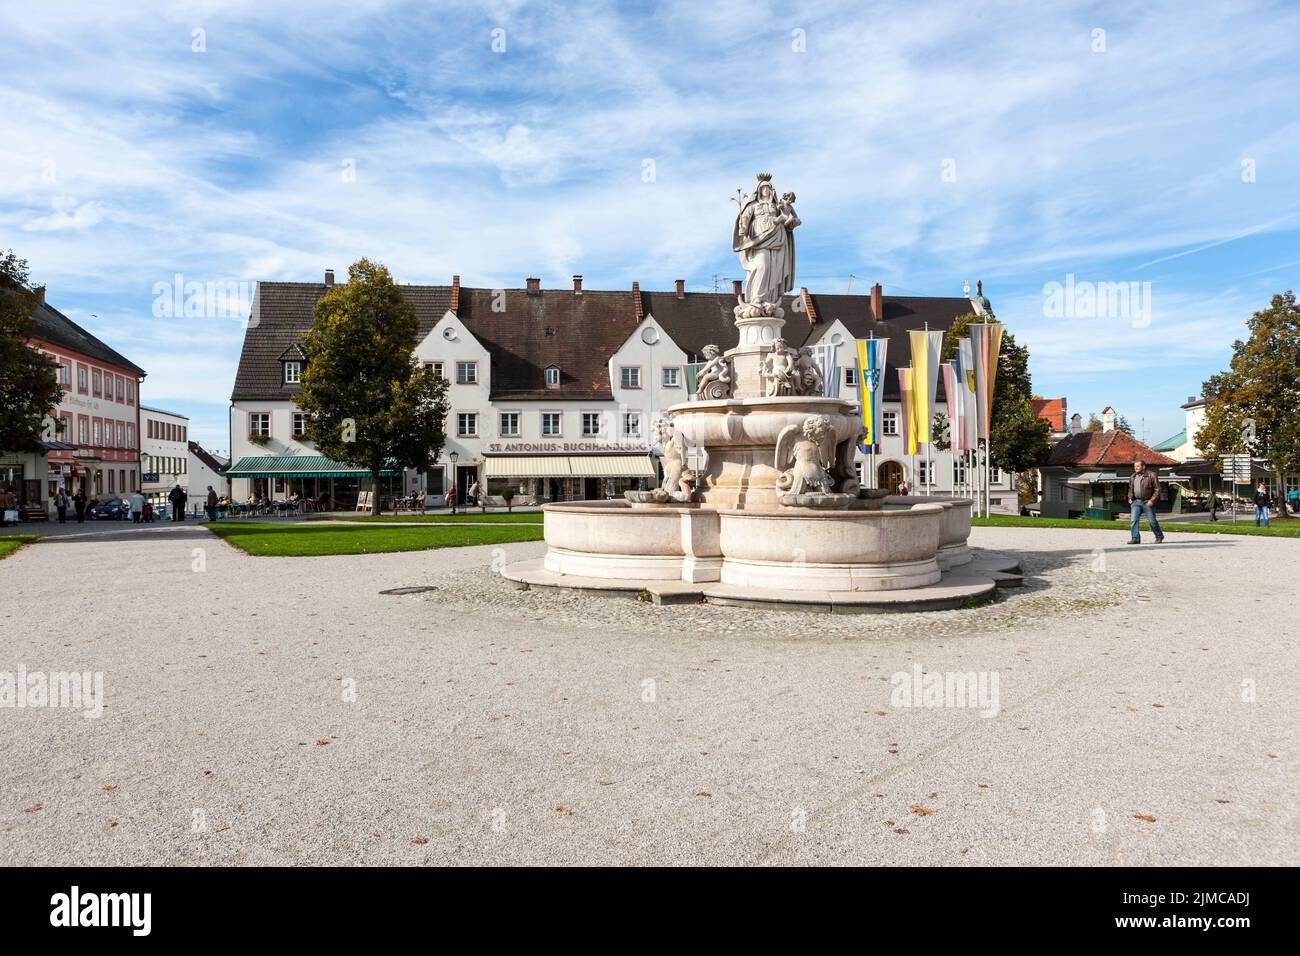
[
  {"x": 679, "y": 481},
  {"x": 803, "y": 454},
  {"x": 764, "y": 238},
  {"x": 811, "y": 381},
  {"x": 715, "y": 378},
  {"x": 781, "y": 370}
]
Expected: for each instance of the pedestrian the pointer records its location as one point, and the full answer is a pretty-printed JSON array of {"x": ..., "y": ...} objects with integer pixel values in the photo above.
[
  {"x": 472, "y": 499},
  {"x": 1214, "y": 506},
  {"x": 61, "y": 506},
  {"x": 451, "y": 497},
  {"x": 79, "y": 504},
  {"x": 137, "y": 507},
  {"x": 8, "y": 506},
  {"x": 177, "y": 498},
  {"x": 212, "y": 504},
  {"x": 1143, "y": 490},
  {"x": 1262, "y": 501},
  {"x": 903, "y": 489}
]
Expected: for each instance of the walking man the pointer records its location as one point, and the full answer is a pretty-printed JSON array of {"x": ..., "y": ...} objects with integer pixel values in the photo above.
[
  {"x": 212, "y": 504},
  {"x": 1262, "y": 501},
  {"x": 79, "y": 503},
  {"x": 61, "y": 506},
  {"x": 177, "y": 497},
  {"x": 1214, "y": 506},
  {"x": 137, "y": 507},
  {"x": 1143, "y": 490}
]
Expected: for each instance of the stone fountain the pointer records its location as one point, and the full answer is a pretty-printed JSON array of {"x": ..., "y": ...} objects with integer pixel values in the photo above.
[{"x": 772, "y": 513}]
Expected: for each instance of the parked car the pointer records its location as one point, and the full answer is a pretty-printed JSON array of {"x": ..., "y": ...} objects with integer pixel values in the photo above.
[{"x": 114, "y": 509}]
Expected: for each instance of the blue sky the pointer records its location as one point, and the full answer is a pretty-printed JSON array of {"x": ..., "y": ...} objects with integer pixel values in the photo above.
[{"x": 928, "y": 143}]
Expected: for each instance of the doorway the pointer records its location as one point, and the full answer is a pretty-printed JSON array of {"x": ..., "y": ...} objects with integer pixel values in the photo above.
[
  {"x": 889, "y": 476},
  {"x": 590, "y": 489}
]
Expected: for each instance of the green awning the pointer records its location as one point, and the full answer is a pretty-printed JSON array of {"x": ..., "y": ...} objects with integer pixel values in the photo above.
[{"x": 297, "y": 466}]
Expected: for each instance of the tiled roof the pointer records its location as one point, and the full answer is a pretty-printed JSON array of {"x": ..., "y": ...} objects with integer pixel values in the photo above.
[
  {"x": 206, "y": 457},
  {"x": 282, "y": 312},
  {"x": 56, "y": 329},
  {"x": 524, "y": 334},
  {"x": 1104, "y": 448},
  {"x": 1050, "y": 410}
]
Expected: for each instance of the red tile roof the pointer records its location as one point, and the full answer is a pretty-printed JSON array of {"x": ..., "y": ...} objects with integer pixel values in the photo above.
[
  {"x": 1104, "y": 449},
  {"x": 1052, "y": 411}
]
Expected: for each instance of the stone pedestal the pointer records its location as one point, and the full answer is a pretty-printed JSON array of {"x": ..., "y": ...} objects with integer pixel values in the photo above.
[{"x": 756, "y": 338}]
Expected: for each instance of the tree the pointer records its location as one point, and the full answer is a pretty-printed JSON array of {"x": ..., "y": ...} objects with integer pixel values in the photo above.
[
  {"x": 1254, "y": 407},
  {"x": 1018, "y": 439},
  {"x": 1121, "y": 424},
  {"x": 1094, "y": 423},
  {"x": 369, "y": 403},
  {"x": 29, "y": 385}
]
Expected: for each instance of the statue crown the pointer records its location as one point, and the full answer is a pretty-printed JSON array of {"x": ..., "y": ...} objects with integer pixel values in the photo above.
[{"x": 764, "y": 177}]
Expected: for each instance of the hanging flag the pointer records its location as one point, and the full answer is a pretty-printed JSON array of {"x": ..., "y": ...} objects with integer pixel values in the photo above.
[
  {"x": 826, "y": 359},
  {"x": 907, "y": 400},
  {"x": 952, "y": 385},
  {"x": 966, "y": 386},
  {"x": 926, "y": 348},
  {"x": 986, "y": 339},
  {"x": 871, "y": 387}
]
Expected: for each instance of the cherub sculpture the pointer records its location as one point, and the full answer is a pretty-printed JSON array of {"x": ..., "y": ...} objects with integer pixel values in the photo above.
[
  {"x": 715, "y": 378},
  {"x": 803, "y": 454},
  {"x": 780, "y": 370},
  {"x": 679, "y": 481},
  {"x": 810, "y": 373}
]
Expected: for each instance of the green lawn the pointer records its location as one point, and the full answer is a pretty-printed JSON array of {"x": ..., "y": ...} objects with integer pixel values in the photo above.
[
  {"x": 309, "y": 540},
  {"x": 1283, "y": 528},
  {"x": 12, "y": 542},
  {"x": 477, "y": 517}
]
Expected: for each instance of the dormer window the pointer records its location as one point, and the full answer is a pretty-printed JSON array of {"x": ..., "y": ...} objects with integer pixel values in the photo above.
[
  {"x": 552, "y": 376},
  {"x": 292, "y": 373}
]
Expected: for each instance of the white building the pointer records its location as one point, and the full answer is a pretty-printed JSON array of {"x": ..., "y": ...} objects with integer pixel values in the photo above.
[
  {"x": 206, "y": 469},
  {"x": 553, "y": 393},
  {"x": 164, "y": 452}
]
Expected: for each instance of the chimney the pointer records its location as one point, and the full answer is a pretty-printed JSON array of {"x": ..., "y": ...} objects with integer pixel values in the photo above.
[
  {"x": 878, "y": 302},
  {"x": 577, "y": 285},
  {"x": 39, "y": 292},
  {"x": 534, "y": 286},
  {"x": 808, "y": 306},
  {"x": 1108, "y": 420},
  {"x": 681, "y": 288},
  {"x": 329, "y": 278},
  {"x": 1190, "y": 398},
  {"x": 735, "y": 288},
  {"x": 1076, "y": 423},
  {"x": 636, "y": 301},
  {"x": 455, "y": 294}
]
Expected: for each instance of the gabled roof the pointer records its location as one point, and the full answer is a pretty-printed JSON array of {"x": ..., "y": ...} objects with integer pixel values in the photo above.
[
  {"x": 205, "y": 456},
  {"x": 293, "y": 353},
  {"x": 1050, "y": 410},
  {"x": 282, "y": 312},
  {"x": 1173, "y": 442},
  {"x": 1104, "y": 449},
  {"x": 53, "y": 328}
]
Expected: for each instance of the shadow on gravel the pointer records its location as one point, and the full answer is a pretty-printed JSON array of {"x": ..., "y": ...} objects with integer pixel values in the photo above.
[
  {"x": 181, "y": 532},
  {"x": 1034, "y": 564}
]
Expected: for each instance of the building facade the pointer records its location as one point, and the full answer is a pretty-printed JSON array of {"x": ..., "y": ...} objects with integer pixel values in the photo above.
[
  {"x": 554, "y": 392},
  {"x": 164, "y": 452},
  {"x": 98, "y": 448},
  {"x": 205, "y": 470}
]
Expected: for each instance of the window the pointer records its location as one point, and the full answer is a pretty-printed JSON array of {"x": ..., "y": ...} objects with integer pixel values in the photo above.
[
  {"x": 299, "y": 424},
  {"x": 99, "y": 433},
  {"x": 81, "y": 378},
  {"x": 550, "y": 424},
  {"x": 590, "y": 424},
  {"x": 130, "y": 434},
  {"x": 552, "y": 376},
  {"x": 672, "y": 377},
  {"x": 130, "y": 392},
  {"x": 64, "y": 374},
  {"x": 995, "y": 474},
  {"x": 121, "y": 388},
  {"x": 435, "y": 367},
  {"x": 630, "y": 376},
  {"x": 631, "y": 424},
  {"x": 110, "y": 482},
  {"x": 97, "y": 377},
  {"x": 923, "y": 476},
  {"x": 292, "y": 373},
  {"x": 83, "y": 430},
  {"x": 509, "y": 424},
  {"x": 467, "y": 373},
  {"x": 889, "y": 423},
  {"x": 121, "y": 434},
  {"x": 850, "y": 378},
  {"x": 466, "y": 424},
  {"x": 959, "y": 470},
  {"x": 259, "y": 425}
]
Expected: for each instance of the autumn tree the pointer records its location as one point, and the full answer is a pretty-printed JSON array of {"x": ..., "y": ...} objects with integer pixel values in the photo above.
[
  {"x": 29, "y": 386},
  {"x": 368, "y": 402},
  {"x": 1254, "y": 407}
]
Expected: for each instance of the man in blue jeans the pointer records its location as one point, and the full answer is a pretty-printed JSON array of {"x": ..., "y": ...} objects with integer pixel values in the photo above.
[
  {"x": 1143, "y": 490},
  {"x": 1262, "y": 502}
]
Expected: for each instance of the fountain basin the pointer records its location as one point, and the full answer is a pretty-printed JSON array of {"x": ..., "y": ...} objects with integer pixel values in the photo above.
[{"x": 953, "y": 548}]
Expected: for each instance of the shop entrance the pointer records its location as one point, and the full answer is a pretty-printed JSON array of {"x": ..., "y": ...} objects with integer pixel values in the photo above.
[
  {"x": 590, "y": 489},
  {"x": 890, "y": 475}
]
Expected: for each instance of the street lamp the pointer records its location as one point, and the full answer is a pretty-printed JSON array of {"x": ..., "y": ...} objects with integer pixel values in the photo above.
[{"x": 453, "y": 456}]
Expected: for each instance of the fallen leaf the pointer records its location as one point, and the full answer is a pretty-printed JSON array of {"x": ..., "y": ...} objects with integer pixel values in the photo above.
[
  {"x": 922, "y": 811},
  {"x": 112, "y": 823},
  {"x": 605, "y": 783},
  {"x": 108, "y": 787},
  {"x": 703, "y": 793},
  {"x": 1161, "y": 706},
  {"x": 983, "y": 786},
  {"x": 419, "y": 840},
  {"x": 1130, "y": 710},
  {"x": 563, "y": 811},
  {"x": 902, "y": 830},
  {"x": 1223, "y": 801},
  {"x": 881, "y": 713},
  {"x": 33, "y": 808},
  {"x": 1145, "y": 817},
  {"x": 322, "y": 743}
]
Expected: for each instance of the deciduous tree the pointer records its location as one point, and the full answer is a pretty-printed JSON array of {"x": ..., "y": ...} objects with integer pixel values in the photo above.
[{"x": 29, "y": 387}]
